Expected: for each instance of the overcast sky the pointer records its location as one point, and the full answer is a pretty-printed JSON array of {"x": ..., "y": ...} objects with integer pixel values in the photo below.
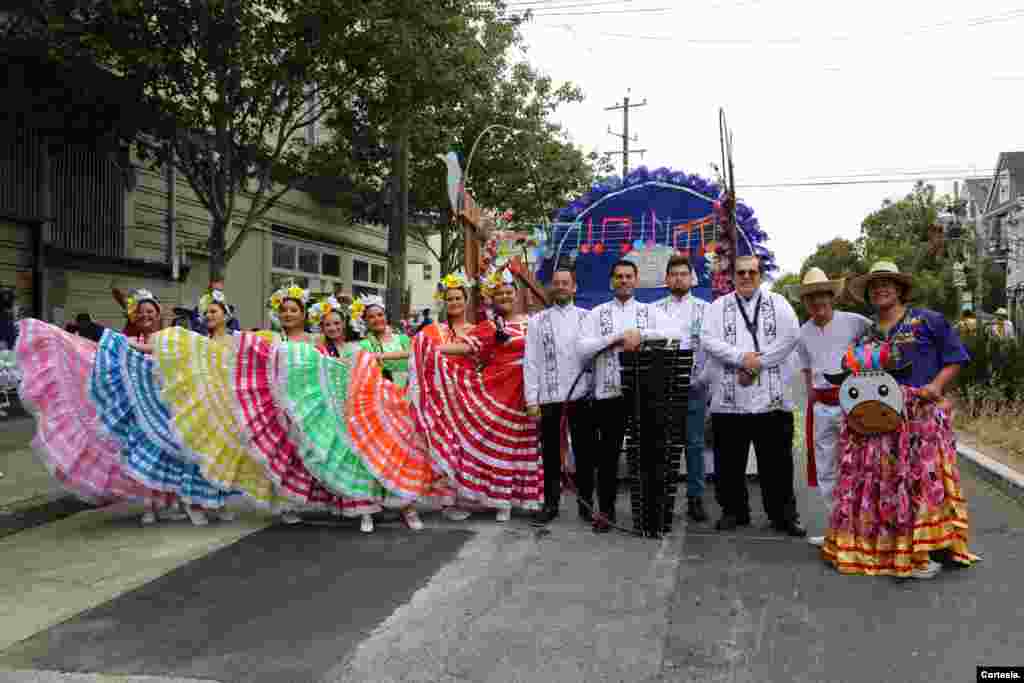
[{"x": 812, "y": 90}]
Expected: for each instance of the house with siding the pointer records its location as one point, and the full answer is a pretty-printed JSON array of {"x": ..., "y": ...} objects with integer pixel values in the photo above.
[
  {"x": 80, "y": 215},
  {"x": 1001, "y": 220}
]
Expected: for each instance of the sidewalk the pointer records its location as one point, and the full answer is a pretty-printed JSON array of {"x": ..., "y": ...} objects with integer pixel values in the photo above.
[{"x": 992, "y": 464}]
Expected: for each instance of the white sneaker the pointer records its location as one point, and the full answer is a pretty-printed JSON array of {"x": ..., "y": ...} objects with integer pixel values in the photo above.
[
  {"x": 290, "y": 517},
  {"x": 816, "y": 541},
  {"x": 456, "y": 515},
  {"x": 412, "y": 520},
  {"x": 148, "y": 517},
  {"x": 173, "y": 513},
  {"x": 226, "y": 515},
  {"x": 198, "y": 517},
  {"x": 930, "y": 572},
  {"x": 366, "y": 526},
  {"x": 504, "y": 514}
]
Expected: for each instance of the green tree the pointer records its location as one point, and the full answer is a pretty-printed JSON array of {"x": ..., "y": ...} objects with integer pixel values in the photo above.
[
  {"x": 239, "y": 84},
  {"x": 788, "y": 285},
  {"x": 427, "y": 57},
  {"x": 531, "y": 172}
]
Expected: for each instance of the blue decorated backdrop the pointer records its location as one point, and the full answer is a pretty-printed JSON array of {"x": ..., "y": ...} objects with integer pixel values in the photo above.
[{"x": 646, "y": 218}]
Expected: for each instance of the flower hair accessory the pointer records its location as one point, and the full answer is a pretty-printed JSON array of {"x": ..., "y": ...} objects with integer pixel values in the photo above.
[
  {"x": 138, "y": 297},
  {"x": 450, "y": 281},
  {"x": 215, "y": 296},
  {"x": 289, "y": 291},
  {"x": 320, "y": 310},
  {"x": 357, "y": 311},
  {"x": 495, "y": 278}
]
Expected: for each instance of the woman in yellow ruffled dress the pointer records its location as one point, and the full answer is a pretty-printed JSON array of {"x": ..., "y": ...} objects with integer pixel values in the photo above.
[{"x": 197, "y": 378}]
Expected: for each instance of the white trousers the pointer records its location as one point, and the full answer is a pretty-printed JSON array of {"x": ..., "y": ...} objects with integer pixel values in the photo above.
[{"x": 827, "y": 420}]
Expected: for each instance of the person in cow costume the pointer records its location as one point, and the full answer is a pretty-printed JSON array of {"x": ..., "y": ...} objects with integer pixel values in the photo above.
[{"x": 897, "y": 503}]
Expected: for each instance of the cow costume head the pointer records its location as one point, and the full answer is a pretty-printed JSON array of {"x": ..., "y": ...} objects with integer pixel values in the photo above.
[{"x": 869, "y": 395}]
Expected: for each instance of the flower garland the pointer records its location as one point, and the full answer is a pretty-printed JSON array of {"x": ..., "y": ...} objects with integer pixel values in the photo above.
[
  {"x": 320, "y": 310},
  {"x": 454, "y": 280},
  {"x": 357, "y": 311},
  {"x": 289, "y": 291},
  {"x": 138, "y": 297},
  {"x": 215, "y": 296}
]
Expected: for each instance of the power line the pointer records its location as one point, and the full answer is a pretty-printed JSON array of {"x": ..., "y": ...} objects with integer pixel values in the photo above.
[
  {"x": 797, "y": 40},
  {"x": 647, "y": 10},
  {"x": 833, "y": 183}
]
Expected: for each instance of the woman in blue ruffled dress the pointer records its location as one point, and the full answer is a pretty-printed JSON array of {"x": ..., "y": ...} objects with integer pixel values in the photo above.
[{"x": 126, "y": 392}]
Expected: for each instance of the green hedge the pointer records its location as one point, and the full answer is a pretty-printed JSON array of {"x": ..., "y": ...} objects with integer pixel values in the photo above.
[{"x": 996, "y": 368}]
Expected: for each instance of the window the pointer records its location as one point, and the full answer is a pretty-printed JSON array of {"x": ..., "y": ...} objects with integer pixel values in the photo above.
[
  {"x": 360, "y": 271},
  {"x": 279, "y": 280},
  {"x": 284, "y": 256},
  {"x": 379, "y": 274},
  {"x": 428, "y": 271},
  {"x": 331, "y": 265},
  {"x": 309, "y": 261},
  {"x": 1004, "y": 187}
]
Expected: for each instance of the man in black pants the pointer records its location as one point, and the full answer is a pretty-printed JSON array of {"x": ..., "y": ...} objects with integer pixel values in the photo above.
[
  {"x": 749, "y": 335},
  {"x": 550, "y": 367},
  {"x": 617, "y": 325}
]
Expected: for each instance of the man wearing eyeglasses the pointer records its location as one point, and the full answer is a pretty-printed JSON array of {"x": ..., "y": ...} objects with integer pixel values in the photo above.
[{"x": 749, "y": 336}]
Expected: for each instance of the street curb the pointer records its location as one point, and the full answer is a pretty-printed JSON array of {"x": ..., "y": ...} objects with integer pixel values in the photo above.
[{"x": 1005, "y": 478}]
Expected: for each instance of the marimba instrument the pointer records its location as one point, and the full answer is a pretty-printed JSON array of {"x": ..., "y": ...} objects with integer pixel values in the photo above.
[{"x": 656, "y": 388}]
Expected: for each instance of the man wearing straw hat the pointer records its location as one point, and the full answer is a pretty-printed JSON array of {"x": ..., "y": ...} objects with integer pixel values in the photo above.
[
  {"x": 823, "y": 340},
  {"x": 1002, "y": 327}
]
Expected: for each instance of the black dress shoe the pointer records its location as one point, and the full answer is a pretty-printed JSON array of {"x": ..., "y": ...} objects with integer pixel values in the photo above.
[
  {"x": 695, "y": 510},
  {"x": 602, "y": 524},
  {"x": 543, "y": 517},
  {"x": 792, "y": 528},
  {"x": 726, "y": 523}
]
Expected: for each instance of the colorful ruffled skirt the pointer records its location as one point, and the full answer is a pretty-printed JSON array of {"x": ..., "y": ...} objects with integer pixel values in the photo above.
[
  {"x": 127, "y": 397},
  {"x": 196, "y": 375},
  {"x": 384, "y": 432},
  {"x": 273, "y": 437},
  {"x": 313, "y": 388},
  {"x": 70, "y": 439},
  {"x": 477, "y": 428},
  {"x": 898, "y": 497}
]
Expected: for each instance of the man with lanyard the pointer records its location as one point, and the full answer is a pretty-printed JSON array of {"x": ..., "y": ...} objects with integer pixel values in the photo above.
[
  {"x": 823, "y": 341},
  {"x": 688, "y": 311},
  {"x": 749, "y": 336},
  {"x": 617, "y": 325},
  {"x": 550, "y": 367}
]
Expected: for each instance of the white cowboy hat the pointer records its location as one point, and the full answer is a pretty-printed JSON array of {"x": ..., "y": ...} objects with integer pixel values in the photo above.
[
  {"x": 815, "y": 280},
  {"x": 882, "y": 270},
  {"x": 1002, "y": 313}
]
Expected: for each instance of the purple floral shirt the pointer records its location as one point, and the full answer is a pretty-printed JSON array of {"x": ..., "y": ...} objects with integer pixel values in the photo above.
[{"x": 926, "y": 340}]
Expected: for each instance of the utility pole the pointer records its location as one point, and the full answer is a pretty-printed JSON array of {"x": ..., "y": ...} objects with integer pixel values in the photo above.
[{"x": 624, "y": 135}]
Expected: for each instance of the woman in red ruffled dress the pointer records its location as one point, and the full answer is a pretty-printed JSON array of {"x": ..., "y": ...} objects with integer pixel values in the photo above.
[{"x": 475, "y": 423}]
